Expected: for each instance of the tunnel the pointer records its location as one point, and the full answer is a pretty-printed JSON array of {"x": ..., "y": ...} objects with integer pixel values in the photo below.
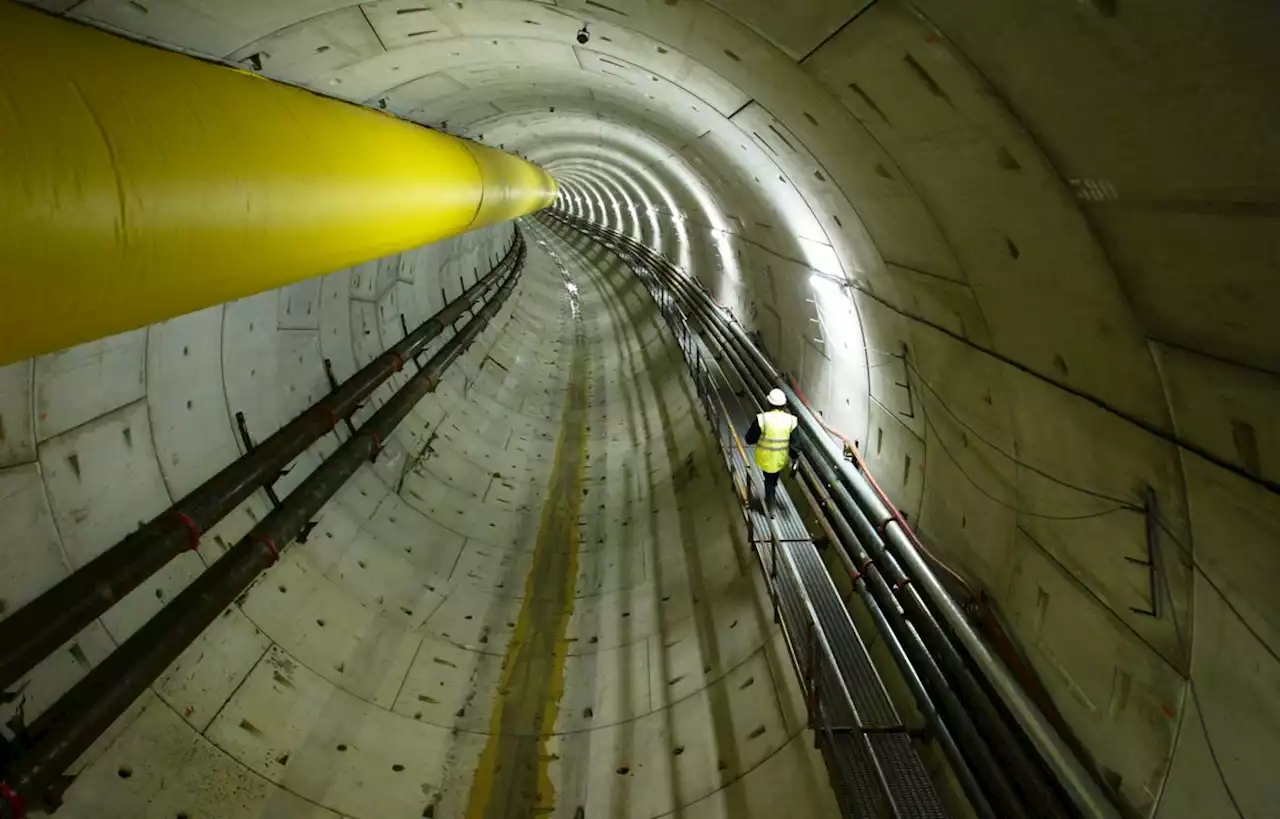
[{"x": 454, "y": 314}]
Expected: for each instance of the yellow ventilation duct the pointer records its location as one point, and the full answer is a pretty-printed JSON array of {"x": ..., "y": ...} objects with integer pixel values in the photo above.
[{"x": 137, "y": 184}]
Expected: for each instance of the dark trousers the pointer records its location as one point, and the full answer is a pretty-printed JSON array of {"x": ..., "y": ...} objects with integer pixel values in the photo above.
[{"x": 770, "y": 486}]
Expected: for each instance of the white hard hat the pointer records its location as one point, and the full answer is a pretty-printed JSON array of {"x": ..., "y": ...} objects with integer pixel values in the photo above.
[{"x": 777, "y": 398}]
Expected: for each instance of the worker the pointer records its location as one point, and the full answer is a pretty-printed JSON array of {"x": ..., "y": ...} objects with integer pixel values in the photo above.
[{"x": 771, "y": 434}]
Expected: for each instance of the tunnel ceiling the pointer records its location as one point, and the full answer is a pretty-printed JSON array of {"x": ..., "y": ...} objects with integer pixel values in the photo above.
[{"x": 976, "y": 105}]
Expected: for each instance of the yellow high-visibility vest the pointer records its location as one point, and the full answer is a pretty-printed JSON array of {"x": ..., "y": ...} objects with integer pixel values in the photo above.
[{"x": 773, "y": 451}]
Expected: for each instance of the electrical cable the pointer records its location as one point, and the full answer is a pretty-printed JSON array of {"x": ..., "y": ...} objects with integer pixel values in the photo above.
[
  {"x": 1195, "y": 565},
  {"x": 1060, "y": 481},
  {"x": 1191, "y": 683},
  {"x": 1123, "y": 507},
  {"x": 1160, "y": 520},
  {"x": 1137, "y": 421},
  {"x": 852, "y": 448}
]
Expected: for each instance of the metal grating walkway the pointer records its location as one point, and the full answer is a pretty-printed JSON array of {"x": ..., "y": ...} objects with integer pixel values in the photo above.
[{"x": 874, "y": 767}]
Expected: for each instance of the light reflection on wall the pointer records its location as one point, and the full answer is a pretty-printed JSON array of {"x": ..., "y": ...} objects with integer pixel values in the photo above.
[
  {"x": 624, "y": 181},
  {"x": 633, "y": 162},
  {"x": 616, "y": 158}
]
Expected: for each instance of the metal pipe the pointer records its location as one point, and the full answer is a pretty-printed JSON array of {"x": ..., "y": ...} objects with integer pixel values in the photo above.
[
  {"x": 977, "y": 754},
  {"x": 991, "y": 722},
  {"x": 37, "y": 629},
  {"x": 1066, "y": 767},
  {"x": 712, "y": 320},
  {"x": 116, "y": 177},
  {"x": 1081, "y": 787},
  {"x": 76, "y": 720},
  {"x": 830, "y": 515}
]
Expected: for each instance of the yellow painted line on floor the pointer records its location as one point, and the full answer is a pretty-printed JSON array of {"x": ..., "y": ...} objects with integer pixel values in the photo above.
[{"x": 512, "y": 778}]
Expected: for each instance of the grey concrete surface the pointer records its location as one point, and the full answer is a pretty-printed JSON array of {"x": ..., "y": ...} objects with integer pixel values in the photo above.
[
  {"x": 419, "y": 651},
  {"x": 1063, "y": 213}
]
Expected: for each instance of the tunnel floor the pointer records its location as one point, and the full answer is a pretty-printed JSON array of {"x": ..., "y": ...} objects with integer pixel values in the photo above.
[{"x": 546, "y": 607}]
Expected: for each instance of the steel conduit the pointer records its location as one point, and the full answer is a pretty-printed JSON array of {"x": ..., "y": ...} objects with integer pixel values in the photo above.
[
  {"x": 761, "y": 375},
  {"x": 666, "y": 297},
  {"x": 72, "y": 724},
  {"x": 41, "y": 626},
  {"x": 921, "y": 653},
  {"x": 989, "y": 726},
  {"x": 898, "y": 591},
  {"x": 977, "y": 753},
  {"x": 1079, "y": 785},
  {"x": 908, "y": 660},
  {"x": 1068, "y": 770},
  {"x": 677, "y": 287},
  {"x": 141, "y": 184},
  {"x": 1066, "y": 767},
  {"x": 860, "y": 502}
]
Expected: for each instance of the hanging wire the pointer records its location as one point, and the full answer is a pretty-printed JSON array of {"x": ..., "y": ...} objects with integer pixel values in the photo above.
[
  {"x": 1122, "y": 506},
  {"x": 1191, "y": 683},
  {"x": 919, "y": 377},
  {"x": 1195, "y": 565}
]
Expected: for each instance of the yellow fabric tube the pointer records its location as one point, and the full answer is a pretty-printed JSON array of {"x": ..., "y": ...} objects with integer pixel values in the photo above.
[{"x": 138, "y": 184}]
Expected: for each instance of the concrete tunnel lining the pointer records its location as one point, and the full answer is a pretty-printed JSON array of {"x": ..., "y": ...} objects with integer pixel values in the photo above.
[
  {"x": 379, "y": 643},
  {"x": 1018, "y": 185}
]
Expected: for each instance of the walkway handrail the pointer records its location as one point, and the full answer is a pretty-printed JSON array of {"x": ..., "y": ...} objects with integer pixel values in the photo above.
[
  {"x": 896, "y": 561},
  {"x": 875, "y": 769}
]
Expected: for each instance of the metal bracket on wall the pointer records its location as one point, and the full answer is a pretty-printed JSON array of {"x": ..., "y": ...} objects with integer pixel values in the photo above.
[
  {"x": 404, "y": 326},
  {"x": 906, "y": 385},
  {"x": 1155, "y": 573},
  {"x": 333, "y": 387},
  {"x": 444, "y": 296},
  {"x": 269, "y": 486}
]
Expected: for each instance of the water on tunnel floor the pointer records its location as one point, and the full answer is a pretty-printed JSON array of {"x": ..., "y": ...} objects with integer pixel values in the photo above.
[{"x": 551, "y": 612}]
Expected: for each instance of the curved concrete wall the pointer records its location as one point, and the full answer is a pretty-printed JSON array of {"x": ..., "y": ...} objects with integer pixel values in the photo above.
[
  {"x": 1023, "y": 254},
  {"x": 376, "y": 671}
]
